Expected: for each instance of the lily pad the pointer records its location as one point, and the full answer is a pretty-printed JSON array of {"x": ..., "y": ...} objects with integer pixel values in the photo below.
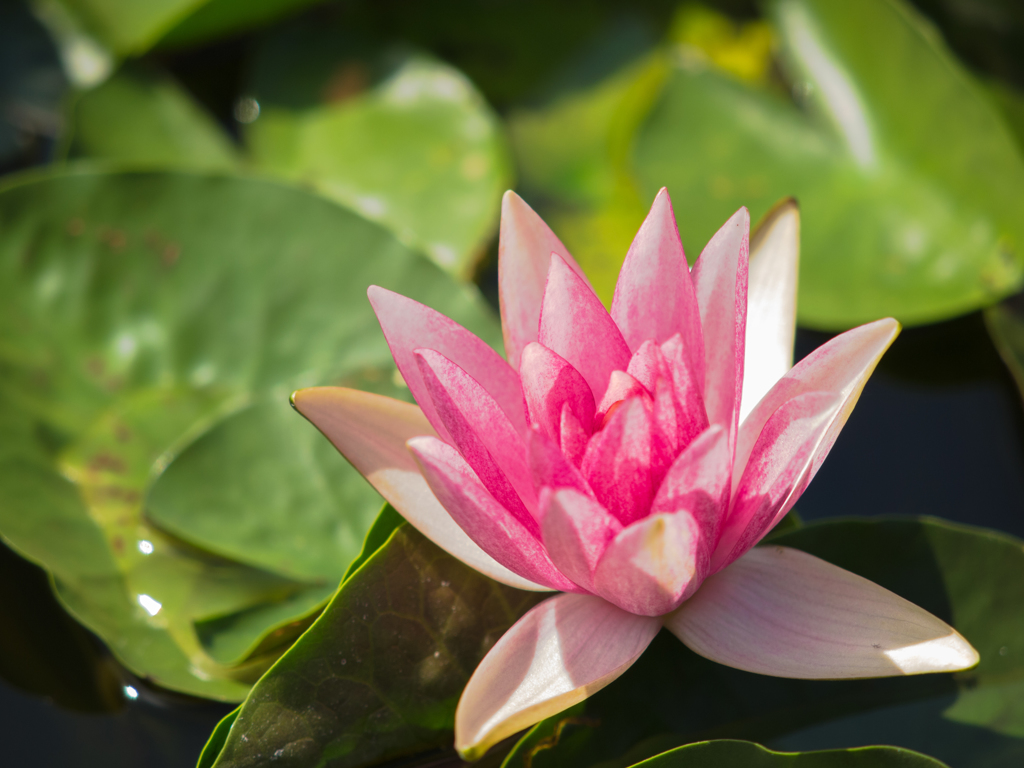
[
  {"x": 131, "y": 28},
  {"x": 146, "y": 120},
  {"x": 970, "y": 577},
  {"x": 138, "y": 311},
  {"x": 378, "y": 675},
  {"x": 420, "y": 152},
  {"x": 898, "y": 218}
]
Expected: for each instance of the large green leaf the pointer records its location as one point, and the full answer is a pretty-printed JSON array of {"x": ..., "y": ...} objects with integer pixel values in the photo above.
[
  {"x": 141, "y": 119},
  {"x": 712, "y": 754},
  {"x": 900, "y": 217},
  {"x": 972, "y": 578},
  {"x": 141, "y": 314},
  {"x": 130, "y": 27},
  {"x": 421, "y": 152},
  {"x": 379, "y": 673}
]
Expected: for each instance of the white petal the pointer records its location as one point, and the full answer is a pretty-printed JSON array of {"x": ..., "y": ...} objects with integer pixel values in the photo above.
[
  {"x": 782, "y": 612},
  {"x": 771, "y": 302},
  {"x": 370, "y": 431},
  {"x": 558, "y": 654}
]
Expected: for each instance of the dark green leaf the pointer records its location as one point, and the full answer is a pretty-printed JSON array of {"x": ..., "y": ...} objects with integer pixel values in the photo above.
[
  {"x": 972, "y": 578},
  {"x": 898, "y": 218},
  {"x": 217, "y": 738},
  {"x": 712, "y": 754},
  {"x": 379, "y": 674}
]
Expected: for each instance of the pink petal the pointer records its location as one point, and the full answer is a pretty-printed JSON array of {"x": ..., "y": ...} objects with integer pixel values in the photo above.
[
  {"x": 771, "y": 302},
  {"x": 618, "y": 462},
  {"x": 551, "y": 467},
  {"x": 371, "y": 431},
  {"x": 648, "y": 364},
  {"x": 576, "y": 531},
  {"x": 549, "y": 383},
  {"x": 409, "y": 325},
  {"x": 777, "y": 472},
  {"x": 524, "y": 254},
  {"x": 573, "y": 437},
  {"x": 654, "y": 298},
  {"x": 699, "y": 482},
  {"x": 720, "y": 280},
  {"x": 490, "y": 525},
  {"x": 779, "y": 611},
  {"x": 575, "y": 325},
  {"x": 842, "y": 365},
  {"x": 621, "y": 386},
  {"x": 654, "y": 564},
  {"x": 481, "y": 432},
  {"x": 691, "y": 417},
  {"x": 562, "y": 651}
]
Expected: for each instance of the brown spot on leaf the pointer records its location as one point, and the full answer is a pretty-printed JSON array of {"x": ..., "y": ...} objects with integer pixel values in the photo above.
[
  {"x": 107, "y": 462},
  {"x": 348, "y": 80},
  {"x": 122, "y": 433},
  {"x": 170, "y": 253},
  {"x": 116, "y": 239},
  {"x": 95, "y": 366},
  {"x": 76, "y": 227}
]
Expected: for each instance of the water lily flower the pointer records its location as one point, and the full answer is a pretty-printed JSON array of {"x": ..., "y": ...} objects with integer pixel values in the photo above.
[{"x": 630, "y": 460}]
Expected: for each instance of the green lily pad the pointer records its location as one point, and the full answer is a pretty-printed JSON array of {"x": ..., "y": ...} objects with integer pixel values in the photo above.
[
  {"x": 232, "y": 639},
  {"x": 131, "y": 28},
  {"x": 146, "y": 120},
  {"x": 421, "y": 152},
  {"x": 378, "y": 675},
  {"x": 138, "y": 313},
  {"x": 711, "y": 754},
  {"x": 970, "y": 577},
  {"x": 898, "y": 218}
]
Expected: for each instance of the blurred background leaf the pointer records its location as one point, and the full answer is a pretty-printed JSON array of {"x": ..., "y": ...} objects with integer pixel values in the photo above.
[
  {"x": 140, "y": 323},
  {"x": 403, "y": 139},
  {"x": 145, "y": 119}
]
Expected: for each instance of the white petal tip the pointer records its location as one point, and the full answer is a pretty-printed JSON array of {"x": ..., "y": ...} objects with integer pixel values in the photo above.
[{"x": 950, "y": 653}]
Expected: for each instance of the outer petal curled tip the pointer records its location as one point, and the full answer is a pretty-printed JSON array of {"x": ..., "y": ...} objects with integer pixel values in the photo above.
[
  {"x": 771, "y": 302},
  {"x": 782, "y": 612},
  {"x": 371, "y": 431},
  {"x": 654, "y": 297},
  {"x": 559, "y": 653},
  {"x": 409, "y": 325},
  {"x": 525, "y": 246}
]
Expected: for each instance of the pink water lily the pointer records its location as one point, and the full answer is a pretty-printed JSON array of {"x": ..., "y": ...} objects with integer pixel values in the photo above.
[{"x": 631, "y": 460}]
